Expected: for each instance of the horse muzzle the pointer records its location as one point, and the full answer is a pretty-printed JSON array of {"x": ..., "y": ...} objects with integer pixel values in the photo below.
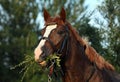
[{"x": 39, "y": 56}]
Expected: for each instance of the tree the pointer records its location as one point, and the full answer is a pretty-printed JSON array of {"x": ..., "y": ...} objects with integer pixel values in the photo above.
[
  {"x": 111, "y": 30},
  {"x": 17, "y": 35}
]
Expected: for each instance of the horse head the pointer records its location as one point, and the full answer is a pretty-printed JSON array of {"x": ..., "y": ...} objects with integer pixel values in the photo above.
[{"x": 54, "y": 36}]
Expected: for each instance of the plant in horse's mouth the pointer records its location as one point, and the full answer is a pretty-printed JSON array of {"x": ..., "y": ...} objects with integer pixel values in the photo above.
[
  {"x": 55, "y": 71},
  {"x": 29, "y": 65},
  {"x": 54, "y": 58}
]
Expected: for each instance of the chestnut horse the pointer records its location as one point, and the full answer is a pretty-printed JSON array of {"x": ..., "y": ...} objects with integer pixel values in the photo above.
[{"x": 79, "y": 61}]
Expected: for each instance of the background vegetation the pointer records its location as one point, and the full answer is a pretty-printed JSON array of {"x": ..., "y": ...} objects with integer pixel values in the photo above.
[{"x": 19, "y": 33}]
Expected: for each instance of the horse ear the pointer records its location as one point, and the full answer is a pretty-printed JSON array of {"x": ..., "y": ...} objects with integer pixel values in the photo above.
[
  {"x": 63, "y": 14},
  {"x": 46, "y": 15}
]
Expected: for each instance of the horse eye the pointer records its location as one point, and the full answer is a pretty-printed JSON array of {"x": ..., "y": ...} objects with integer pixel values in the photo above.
[{"x": 61, "y": 32}]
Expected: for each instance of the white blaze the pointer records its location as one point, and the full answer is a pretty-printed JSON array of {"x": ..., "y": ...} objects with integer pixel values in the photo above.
[{"x": 38, "y": 50}]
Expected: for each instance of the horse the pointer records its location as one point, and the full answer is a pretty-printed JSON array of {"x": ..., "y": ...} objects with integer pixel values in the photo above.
[{"x": 79, "y": 61}]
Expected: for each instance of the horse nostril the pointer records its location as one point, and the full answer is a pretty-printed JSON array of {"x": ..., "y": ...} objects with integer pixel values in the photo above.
[
  {"x": 43, "y": 52},
  {"x": 40, "y": 59},
  {"x": 42, "y": 55}
]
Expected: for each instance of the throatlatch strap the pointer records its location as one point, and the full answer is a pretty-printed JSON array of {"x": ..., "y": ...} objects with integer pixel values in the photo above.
[{"x": 93, "y": 71}]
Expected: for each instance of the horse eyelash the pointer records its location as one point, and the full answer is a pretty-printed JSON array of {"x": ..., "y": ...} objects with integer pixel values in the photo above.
[{"x": 61, "y": 32}]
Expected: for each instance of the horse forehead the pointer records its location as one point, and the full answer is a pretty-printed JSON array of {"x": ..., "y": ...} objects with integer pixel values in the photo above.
[{"x": 49, "y": 29}]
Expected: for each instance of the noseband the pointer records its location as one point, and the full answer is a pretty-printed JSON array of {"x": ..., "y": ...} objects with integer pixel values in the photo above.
[{"x": 51, "y": 43}]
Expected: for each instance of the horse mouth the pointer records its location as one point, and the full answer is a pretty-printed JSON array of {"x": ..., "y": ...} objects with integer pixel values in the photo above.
[
  {"x": 43, "y": 63},
  {"x": 42, "y": 60}
]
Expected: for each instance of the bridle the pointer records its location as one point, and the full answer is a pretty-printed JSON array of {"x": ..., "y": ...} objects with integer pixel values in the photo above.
[
  {"x": 64, "y": 42},
  {"x": 59, "y": 52},
  {"x": 92, "y": 72}
]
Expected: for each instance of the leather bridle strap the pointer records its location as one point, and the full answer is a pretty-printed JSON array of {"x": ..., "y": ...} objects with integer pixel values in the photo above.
[
  {"x": 92, "y": 73},
  {"x": 60, "y": 50},
  {"x": 51, "y": 43}
]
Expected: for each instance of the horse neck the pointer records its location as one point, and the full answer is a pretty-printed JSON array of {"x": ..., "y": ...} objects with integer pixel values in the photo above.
[{"x": 75, "y": 61}]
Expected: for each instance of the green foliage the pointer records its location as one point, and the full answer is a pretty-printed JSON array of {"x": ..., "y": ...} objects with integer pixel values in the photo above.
[
  {"x": 111, "y": 30},
  {"x": 57, "y": 72},
  {"x": 27, "y": 63},
  {"x": 54, "y": 57},
  {"x": 17, "y": 35},
  {"x": 29, "y": 67}
]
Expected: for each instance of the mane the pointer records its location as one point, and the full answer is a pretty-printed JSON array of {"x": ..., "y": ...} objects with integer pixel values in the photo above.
[
  {"x": 97, "y": 58},
  {"x": 90, "y": 52}
]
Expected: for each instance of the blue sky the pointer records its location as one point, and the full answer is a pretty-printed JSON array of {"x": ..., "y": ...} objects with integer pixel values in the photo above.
[
  {"x": 93, "y": 3},
  {"x": 92, "y": 6}
]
